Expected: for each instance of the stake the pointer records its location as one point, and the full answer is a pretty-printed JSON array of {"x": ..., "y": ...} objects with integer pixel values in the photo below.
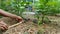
[{"x": 14, "y": 25}]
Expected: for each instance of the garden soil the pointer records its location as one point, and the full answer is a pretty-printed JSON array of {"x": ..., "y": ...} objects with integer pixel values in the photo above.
[{"x": 29, "y": 27}]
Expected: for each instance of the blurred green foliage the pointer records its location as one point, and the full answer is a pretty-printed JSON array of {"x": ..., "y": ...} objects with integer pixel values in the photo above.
[
  {"x": 13, "y": 6},
  {"x": 17, "y": 6},
  {"x": 43, "y": 7},
  {"x": 47, "y": 7}
]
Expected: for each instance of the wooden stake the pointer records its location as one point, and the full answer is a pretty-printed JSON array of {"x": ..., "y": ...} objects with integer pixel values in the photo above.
[{"x": 14, "y": 25}]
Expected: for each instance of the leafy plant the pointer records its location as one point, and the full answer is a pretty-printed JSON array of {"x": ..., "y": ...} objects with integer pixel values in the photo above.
[
  {"x": 13, "y": 6},
  {"x": 47, "y": 7}
]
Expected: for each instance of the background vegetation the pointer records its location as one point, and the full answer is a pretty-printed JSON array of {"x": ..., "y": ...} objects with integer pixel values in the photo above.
[{"x": 43, "y": 7}]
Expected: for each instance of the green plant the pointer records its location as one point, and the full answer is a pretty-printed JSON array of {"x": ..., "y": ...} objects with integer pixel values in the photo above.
[
  {"x": 13, "y": 6},
  {"x": 47, "y": 7}
]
